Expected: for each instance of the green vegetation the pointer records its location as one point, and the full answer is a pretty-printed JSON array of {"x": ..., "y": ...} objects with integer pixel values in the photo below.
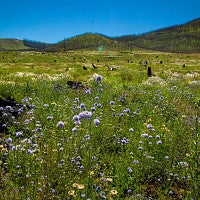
[
  {"x": 179, "y": 39},
  {"x": 184, "y": 38},
  {"x": 88, "y": 41},
  {"x": 123, "y": 136},
  {"x": 12, "y": 45}
]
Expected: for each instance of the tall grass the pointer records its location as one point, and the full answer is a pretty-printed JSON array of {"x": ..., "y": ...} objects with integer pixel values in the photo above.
[{"x": 111, "y": 140}]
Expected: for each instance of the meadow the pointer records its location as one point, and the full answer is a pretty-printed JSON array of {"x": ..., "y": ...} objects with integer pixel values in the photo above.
[{"x": 123, "y": 135}]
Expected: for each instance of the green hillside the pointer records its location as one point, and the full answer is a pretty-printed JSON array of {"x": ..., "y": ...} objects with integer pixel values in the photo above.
[
  {"x": 87, "y": 41},
  {"x": 12, "y": 45},
  {"x": 183, "y": 38}
]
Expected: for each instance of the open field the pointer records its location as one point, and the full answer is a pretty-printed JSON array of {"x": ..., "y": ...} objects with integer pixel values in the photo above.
[{"x": 123, "y": 135}]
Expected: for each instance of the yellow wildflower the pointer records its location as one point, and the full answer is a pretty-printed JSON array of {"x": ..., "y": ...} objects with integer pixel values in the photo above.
[
  {"x": 113, "y": 193},
  {"x": 71, "y": 192}
]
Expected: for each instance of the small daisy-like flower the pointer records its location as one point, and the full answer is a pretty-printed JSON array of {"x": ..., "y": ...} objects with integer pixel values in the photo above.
[{"x": 60, "y": 124}]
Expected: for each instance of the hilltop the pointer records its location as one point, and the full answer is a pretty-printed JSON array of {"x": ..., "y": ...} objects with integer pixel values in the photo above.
[
  {"x": 183, "y": 38},
  {"x": 12, "y": 45},
  {"x": 87, "y": 41}
]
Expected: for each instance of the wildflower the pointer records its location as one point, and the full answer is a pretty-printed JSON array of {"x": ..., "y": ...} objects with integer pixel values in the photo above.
[
  {"x": 131, "y": 129},
  {"x": 9, "y": 140},
  {"x": 74, "y": 129},
  {"x": 40, "y": 190},
  {"x": 88, "y": 91},
  {"x": 78, "y": 186},
  {"x": 140, "y": 148},
  {"x": 83, "y": 196},
  {"x": 130, "y": 170},
  {"x": 87, "y": 137},
  {"x": 93, "y": 109},
  {"x": 98, "y": 189},
  {"x": 171, "y": 192},
  {"x": 96, "y": 98},
  {"x": 8, "y": 108},
  {"x": 5, "y": 114},
  {"x": 149, "y": 126},
  {"x": 77, "y": 99},
  {"x": 29, "y": 151},
  {"x": 98, "y": 78},
  {"x": 150, "y": 136},
  {"x": 144, "y": 135},
  {"x": 82, "y": 106},
  {"x": 19, "y": 133},
  {"x": 167, "y": 157},
  {"x": 136, "y": 162},
  {"x": 93, "y": 157},
  {"x": 60, "y": 124},
  {"x": 49, "y": 117},
  {"x": 53, "y": 191},
  {"x": 124, "y": 141},
  {"x": 157, "y": 136},
  {"x": 150, "y": 143},
  {"x": 112, "y": 103},
  {"x": 96, "y": 122},
  {"x": 121, "y": 114},
  {"x": 159, "y": 142},
  {"x": 71, "y": 192},
  {"x": 108, "y": 179},
  {"x": 112, "y": 193},
  {"x": 127, "y": 111},
  {"x": 85, "y": 115},
  {"x": 130, "y": 191},
  {"x": 3, "y": 126}
]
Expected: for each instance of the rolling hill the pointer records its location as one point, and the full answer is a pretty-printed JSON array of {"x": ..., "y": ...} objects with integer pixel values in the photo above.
[
  {"x": 89, "y": 41},
  {"x": 12, "y": 45},
  {"x": 183, "y": 38}
]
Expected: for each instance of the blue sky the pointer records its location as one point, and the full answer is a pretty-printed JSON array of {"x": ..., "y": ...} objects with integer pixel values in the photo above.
[{"x": 54, "y": 20}]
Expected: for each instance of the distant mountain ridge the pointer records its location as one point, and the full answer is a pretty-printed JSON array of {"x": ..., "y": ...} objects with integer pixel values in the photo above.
[
  {"x": 180, "y": 38},
  {"x": 183, "y": 38}
]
